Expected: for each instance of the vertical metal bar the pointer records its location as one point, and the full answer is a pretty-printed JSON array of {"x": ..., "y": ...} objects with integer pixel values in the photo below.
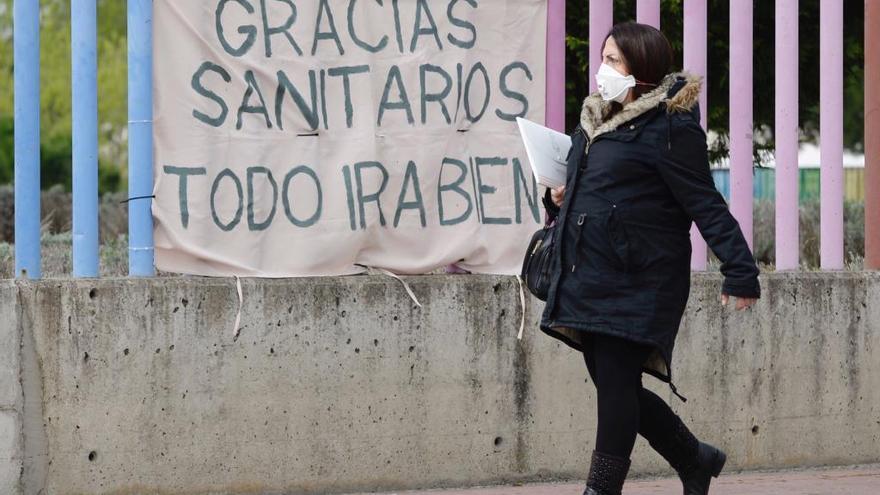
[
  {"x": 601, "y": 19},
  {"x": 140, "y": 138},
  {"x": 26, "y": 40},
  {"x": 648, "y": 12},
  {"x": 831, "y": 133},
  {"x": 872, "y": 135},
  {"x": 787, "y": 211},
  {"x": 741, "y": 164},
  {"x": 556, "y": 65},
  {"x": 696, "y": 35},
  {"x": 84, "y": 70},
  {"x": 696, "y": 62}
]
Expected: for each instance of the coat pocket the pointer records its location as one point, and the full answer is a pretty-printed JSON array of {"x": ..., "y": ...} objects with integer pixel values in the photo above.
[
  {"x": 598, "y": 247},
  {"x": 654, "y": 247}
]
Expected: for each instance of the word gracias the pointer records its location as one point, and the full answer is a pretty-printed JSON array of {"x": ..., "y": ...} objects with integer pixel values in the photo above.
[{"x": 465, "y": 88}]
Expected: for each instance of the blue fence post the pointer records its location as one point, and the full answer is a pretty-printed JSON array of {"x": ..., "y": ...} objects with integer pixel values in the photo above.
[
  {"x": 140, "y": 138},
  {"x": 26, "y": 39},
  {"x": 84, "y": 70}
]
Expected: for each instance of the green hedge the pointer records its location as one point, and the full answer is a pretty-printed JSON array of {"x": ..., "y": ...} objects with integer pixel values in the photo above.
[{"x": 56, "y": 162}]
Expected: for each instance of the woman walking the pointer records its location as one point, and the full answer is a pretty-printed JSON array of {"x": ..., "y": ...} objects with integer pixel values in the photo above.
[{"x": 638, "y": 175}]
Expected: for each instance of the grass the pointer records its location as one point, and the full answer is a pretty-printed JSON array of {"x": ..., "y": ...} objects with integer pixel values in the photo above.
[{"x": 57, "y": 261}]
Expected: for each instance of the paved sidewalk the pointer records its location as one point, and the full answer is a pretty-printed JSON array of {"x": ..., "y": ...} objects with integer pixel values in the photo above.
[{"x": 856, "y": 480}]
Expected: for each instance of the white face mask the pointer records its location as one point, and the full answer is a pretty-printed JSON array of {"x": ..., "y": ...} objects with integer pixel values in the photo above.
[{"x": 612, "y": 84}]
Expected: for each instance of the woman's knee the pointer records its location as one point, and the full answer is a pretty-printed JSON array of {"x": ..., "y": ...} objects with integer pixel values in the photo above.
[{"x": 618, "y": 363}]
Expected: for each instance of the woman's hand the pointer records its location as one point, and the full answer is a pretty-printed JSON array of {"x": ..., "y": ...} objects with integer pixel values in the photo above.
[
  {"x": 741, "y": 302},
  {"x": 557, "y": 195}
]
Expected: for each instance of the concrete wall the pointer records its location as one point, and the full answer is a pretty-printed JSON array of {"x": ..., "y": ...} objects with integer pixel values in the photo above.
[
  {"x": 334, "y": 385},
  {"x": 10, "y": 392}
]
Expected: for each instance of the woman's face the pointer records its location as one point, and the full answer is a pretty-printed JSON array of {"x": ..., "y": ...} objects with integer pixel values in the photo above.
[{"x": 612, "y": 57}]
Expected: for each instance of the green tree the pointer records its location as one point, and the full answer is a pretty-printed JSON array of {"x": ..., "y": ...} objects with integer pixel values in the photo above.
[{"x": 55, "y": 91}]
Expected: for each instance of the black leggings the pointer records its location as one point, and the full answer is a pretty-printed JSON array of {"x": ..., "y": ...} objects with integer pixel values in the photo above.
[{"x": 625, "y": 406}]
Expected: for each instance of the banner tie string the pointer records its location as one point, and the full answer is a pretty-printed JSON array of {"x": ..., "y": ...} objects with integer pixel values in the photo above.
[
  {"x": 235, "y": 327},
  {"x": 137, "y": 198},
  {"x": 522, "y": 305},
  {"x": 406, "y": 286}
]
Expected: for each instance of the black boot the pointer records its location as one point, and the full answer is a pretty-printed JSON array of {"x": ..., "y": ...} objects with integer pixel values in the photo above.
[
  {"x": 607, "y": 474},
  {"x": 696, "y": 477},
  {"x": 695, "y": 462}
]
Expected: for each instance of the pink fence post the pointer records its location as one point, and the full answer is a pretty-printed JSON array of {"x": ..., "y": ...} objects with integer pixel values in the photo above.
[
  {"x": 601, "y": 19},
  {"x": 831, "y": 133},
  {"x": 787, "y": 212},
  {"x": 741, "y": 187},
  {"x": 872, "y": 135},
  {"x": 695, "y": 61},
  {"x": 555, "y": 116},
  {"x": 648, "y": 12},
  {"x": 696, "y": 36}
]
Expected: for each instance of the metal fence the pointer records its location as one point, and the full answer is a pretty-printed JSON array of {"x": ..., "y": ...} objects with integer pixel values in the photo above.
[
  {"x": 84, "y": 41},
  {"x": 787, "y": 177},
  {"x": 787, "y": 182}
]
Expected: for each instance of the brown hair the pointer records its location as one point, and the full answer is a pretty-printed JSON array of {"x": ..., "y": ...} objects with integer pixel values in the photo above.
[{"x": 646, "y": 51}]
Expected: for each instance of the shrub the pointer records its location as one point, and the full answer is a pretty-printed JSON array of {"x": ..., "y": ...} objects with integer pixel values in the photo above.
[
  {"x": 57, "y": 213},
  {"x": 56, "y": 154},
  {"x": 765, "y": 232},
  {"x": 7, "y": 149}
]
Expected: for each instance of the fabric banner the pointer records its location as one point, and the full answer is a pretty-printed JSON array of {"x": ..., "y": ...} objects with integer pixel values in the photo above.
[{"x": 318, "y": 137}]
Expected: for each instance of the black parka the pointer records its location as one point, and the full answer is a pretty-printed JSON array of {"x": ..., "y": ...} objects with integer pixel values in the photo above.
[{"x": 636, "y": 181}]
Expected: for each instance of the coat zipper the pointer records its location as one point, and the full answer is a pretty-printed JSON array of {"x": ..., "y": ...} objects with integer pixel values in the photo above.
[
  {"x": 577, "y": 240},
  {"x": 574, "y": 188},
  {"x": 582, "y": 216}
]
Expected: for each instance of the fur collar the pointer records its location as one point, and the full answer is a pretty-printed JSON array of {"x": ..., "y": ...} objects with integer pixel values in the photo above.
[{"x": 683, "y": 100}]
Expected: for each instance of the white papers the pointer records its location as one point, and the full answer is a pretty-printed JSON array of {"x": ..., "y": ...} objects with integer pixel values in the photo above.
[{"x": 547, "y": 151}]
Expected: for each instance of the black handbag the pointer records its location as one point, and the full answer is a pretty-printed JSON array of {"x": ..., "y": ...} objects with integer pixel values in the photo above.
[{"x": 537, "y": 263}]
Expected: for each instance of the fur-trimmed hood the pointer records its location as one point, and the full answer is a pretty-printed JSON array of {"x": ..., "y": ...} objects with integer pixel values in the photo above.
[{"x": 680, "y": 92}]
